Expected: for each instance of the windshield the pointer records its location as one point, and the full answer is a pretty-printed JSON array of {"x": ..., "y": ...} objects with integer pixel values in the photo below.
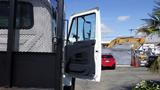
[{"x": 107, "y": 56}]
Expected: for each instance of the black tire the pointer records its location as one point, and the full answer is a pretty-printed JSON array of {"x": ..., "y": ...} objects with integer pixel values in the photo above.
[
  {"x": 67, "y": 88},
  {"x": 114, "y": 66},
  {"x": 102, "y": 68}
]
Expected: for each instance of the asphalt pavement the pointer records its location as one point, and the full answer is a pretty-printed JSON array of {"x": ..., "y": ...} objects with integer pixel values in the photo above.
[{"x": 123, "y": 78}]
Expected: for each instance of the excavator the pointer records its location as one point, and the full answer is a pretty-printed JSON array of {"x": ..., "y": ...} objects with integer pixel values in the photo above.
[
  {"x": 121, "y": 40},
  {"x": 135, "y": 43}
]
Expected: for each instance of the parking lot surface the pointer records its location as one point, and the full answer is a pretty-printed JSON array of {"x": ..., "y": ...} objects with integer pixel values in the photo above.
[{"x": 123, "y": 78}]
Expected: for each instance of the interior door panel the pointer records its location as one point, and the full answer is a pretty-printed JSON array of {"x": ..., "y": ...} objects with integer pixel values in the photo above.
[{"x": 80, "y": 59}]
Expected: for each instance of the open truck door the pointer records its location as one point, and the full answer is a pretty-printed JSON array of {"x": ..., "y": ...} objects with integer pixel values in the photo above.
[{"x": 83, "y": 48}]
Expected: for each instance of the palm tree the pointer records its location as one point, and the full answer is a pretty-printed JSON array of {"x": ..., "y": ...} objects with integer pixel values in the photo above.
[
  {"x": 153, "y": 26},
  {"x": 153, "y": 23}
]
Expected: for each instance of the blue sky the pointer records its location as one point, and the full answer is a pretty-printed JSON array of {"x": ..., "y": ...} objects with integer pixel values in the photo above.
[{"x": 117, "y": 16}]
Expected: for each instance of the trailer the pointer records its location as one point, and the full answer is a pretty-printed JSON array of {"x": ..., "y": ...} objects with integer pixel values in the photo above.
[{"x": 32, "y": 44}]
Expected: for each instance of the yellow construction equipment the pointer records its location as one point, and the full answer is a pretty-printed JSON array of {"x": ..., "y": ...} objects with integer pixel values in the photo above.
[{"x": 121, "y": 40}]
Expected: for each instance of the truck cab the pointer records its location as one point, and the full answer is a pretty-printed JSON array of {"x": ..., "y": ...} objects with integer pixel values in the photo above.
[{"x": 31, "y": 44}]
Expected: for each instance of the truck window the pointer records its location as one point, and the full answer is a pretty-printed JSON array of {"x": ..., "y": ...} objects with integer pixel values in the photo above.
[
  {"x": 73, "y": 33},
  {"x": 86, "y": 27},
  {"x": 24, "y": 15},
  {"x": 83, "y": 28}
]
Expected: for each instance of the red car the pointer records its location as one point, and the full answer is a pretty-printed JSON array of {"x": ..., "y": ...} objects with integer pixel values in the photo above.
[{"x": 108, "y": 61}]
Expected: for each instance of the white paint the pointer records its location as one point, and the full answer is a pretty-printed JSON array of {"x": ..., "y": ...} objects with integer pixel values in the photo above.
[{"x": 97, "y": 50}]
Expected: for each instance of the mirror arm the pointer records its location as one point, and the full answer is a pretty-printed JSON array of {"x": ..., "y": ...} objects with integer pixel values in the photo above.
[
  {"x": 83, "y": 31},
  {"x": 67, "y": 25},
  {"x": 67, "y": 39}
]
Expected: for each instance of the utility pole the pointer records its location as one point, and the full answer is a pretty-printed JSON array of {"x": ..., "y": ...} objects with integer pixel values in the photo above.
[{"x": 131, "y": 31}]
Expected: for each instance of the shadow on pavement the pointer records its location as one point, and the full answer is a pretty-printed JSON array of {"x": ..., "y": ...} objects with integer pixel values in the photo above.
[{"x": 108, "y": 68}]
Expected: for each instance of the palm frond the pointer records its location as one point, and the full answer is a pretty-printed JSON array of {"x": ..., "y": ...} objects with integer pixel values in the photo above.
[
  {"x": 157, "y": 3},
  {"x": 154, "y": 21},
  {"x": 147, "y": 30},
  {"x": 144, "y": 30},
  {"x": 156, "y": 10},
  {"x": 149, "y": 22},
  {"x": 154, "y": 17}
]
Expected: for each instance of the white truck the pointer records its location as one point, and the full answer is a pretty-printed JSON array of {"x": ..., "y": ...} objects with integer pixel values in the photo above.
[{"x": 31, "y": 44}]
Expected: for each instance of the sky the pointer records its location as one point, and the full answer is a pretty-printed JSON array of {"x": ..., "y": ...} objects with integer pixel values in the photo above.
[{"x": 117, "y": 16}]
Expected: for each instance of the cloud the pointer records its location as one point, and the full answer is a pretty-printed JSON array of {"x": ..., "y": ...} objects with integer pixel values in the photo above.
[
  {"x": 123, "y": 18},
  {"x": 105, "y": 29}
]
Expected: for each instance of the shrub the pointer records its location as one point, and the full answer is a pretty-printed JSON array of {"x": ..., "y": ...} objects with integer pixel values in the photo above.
[
  {"x": 147, "y": 85},
  {"x": 155, "y": 67}
]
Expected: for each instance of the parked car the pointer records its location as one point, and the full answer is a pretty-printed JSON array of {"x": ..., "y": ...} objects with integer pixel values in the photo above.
[{"x": 108, "y": 61}]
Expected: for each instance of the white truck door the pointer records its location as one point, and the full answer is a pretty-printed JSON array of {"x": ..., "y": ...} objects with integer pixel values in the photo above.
[{"x": 83, "y": 49}]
